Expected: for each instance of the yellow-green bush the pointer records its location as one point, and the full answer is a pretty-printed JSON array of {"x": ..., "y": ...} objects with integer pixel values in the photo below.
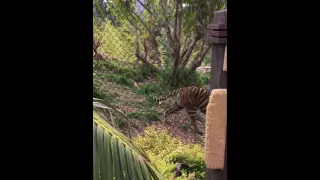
[{"x": 164, "y": 150}]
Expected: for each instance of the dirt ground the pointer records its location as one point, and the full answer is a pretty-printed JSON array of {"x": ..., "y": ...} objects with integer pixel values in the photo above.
[{"x": 178, "y": 124}]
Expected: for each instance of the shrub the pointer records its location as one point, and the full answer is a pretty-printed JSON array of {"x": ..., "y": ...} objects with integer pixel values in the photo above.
[
  {"x": 115, "y": 67},
  {"x": 98, "y": 94},
  {"x": 185, "y": 78},
  {"x": 120, "y": 79},
  {"x": 147, "y": 114},
  {"x": 147, "y": 89},
  {"x": 164, "y": 150}
]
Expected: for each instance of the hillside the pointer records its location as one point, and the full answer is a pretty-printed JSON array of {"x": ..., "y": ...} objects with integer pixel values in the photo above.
[{"x": 131, "y": 98}]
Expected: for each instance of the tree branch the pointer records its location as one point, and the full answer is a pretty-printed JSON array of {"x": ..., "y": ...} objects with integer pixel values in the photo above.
[
  {"x": 166, "y": 22},
  {"x": 147, "y": 63},
  {"x": 198, "y": 54},
  {"x": 188, "y": 51},
  {"x": 186, "y": 44},
  {"x": 139, "y": 57},
  {"x": 184, "y": 52},
  {"x": 137, "y": 47},
  {"x": 157, "y": 55},
  {"x": 137, "y": 16},
  {"x": 197, "y": 61},
  {"x": 147, "y": 9},
  {"x": 137, "y": 43}
]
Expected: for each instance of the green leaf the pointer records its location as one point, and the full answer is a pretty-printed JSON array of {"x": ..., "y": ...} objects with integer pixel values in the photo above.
[
  {"x": 123, "y": 161},
  {"x": 117, "y": 166},
  {"x": 138, "y": 168},
  {"x": 115, "y": 157},
  {"x": 95, "y": 155},
  {"x": 115, "y": 132},
  {"x": 144, "y": 171},
  {"x": 130, "y": 161},
  {"x": 109, "y": 162},
  {"x": 101, "y": 150}
]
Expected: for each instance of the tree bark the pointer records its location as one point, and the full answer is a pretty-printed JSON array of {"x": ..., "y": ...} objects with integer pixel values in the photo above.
[{"x": 177, "y": 34}]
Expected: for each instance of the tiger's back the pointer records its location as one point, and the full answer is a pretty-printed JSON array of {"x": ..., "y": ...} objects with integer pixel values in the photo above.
[{"x": 193, "y": 98}]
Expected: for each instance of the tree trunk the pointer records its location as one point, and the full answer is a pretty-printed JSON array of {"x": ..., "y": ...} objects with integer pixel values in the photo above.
[
  {"x": 177, "y": 34},
  {"x": 158, "y": 57}
]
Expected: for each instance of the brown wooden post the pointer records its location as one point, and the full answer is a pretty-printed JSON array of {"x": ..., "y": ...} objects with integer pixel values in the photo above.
[{"x": 217, "y": 34}]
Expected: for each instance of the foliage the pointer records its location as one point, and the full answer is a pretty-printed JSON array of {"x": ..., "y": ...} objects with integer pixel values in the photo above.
[
  {"x": 176, "y": 29},
  {"x": 186, "y": 78},
  {"x": 113, "y": 66},
  {"x": 180, "y": 51},
  {"x": 146, "y": 114},
  {"x": 146, "y": 111},
  {"x": 99, "y": 80},
  {"x": 165, "y": 150},
  {"x": 120, "y": 79},
  {"x": 147, "y": 89},
  {"x": 207, "y": 60},
  {"x": 118, "y": 42},
  {"x": 163, "y": 82},
  {"x": 115, "y": 157},
  {"x": 98, "y": 94},
  {"x": 110, "y": 70},
  {"x": 110, "y": 113}
]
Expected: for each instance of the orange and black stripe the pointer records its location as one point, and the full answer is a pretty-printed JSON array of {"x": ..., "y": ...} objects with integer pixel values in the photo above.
[{"x": 191, "y": 98}]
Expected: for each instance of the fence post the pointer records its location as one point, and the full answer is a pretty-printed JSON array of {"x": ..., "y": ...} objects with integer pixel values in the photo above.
[{"x": 217, "y": 34}]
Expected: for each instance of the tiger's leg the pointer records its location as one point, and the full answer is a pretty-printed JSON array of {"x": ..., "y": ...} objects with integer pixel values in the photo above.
[
  {"x": 192, "y": 114},
  {"x": 174, "y": 109}
]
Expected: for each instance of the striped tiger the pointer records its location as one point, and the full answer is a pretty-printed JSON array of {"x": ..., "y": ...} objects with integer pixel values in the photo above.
[{"x": 191, "y": 98}]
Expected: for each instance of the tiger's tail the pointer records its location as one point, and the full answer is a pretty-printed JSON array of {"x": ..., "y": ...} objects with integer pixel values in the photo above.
[{"x": 172, "y": 93}]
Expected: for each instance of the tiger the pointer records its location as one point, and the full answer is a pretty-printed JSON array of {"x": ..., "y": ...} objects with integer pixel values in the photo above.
[{"x": 190, "y": 98}]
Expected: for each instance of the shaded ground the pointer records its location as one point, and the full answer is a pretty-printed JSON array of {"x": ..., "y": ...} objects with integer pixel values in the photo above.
[{"x": 179, "y": 125}]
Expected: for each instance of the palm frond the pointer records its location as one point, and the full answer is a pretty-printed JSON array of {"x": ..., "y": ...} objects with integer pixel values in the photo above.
[
  {"x": 115, "y": 157},
  {"x": 107, "y": 109}
]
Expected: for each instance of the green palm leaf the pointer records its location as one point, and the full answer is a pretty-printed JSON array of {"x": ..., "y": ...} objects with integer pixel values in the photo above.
[{"x": 115, "y": 157}]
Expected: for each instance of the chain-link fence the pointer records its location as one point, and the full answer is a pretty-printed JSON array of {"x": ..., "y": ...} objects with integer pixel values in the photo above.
[{"x": 134, "y": 40}]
